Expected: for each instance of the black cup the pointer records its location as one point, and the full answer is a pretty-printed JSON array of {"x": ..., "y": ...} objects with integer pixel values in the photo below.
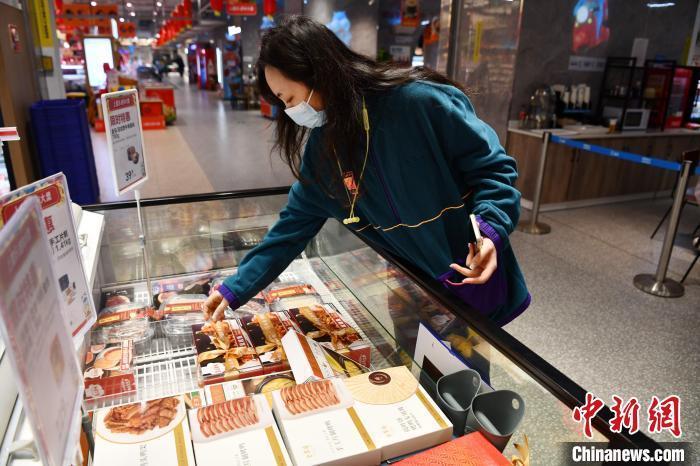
[
  {"x": 455, "y": 393},
  {"x": 496, "y": 415}
]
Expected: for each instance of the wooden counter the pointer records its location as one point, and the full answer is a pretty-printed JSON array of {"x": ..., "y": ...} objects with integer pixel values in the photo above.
[{"x": 578, "y": 177}]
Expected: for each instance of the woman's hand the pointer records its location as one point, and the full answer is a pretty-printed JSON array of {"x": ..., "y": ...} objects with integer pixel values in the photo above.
[
  {"x": 480, "y": 266},
  {"x": 214, "y": 307}
]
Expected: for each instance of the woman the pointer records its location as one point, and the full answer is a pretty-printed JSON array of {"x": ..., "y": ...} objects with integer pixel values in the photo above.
[{"x": 398, "y": 155}]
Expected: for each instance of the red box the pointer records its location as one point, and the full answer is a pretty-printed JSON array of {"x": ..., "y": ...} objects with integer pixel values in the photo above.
[
  {"x": 471, "y": 449},
  {"x": 151, "y": 108},
  {"x": 154, "y": 122},
  {"x": 100, "y": 126},
  {"x": 108, "y": 370},
  {"x": 265, "y": 332},
  {"x": 217, "y": 363},
  {"x": 165, "y": 95},
  {"x": 325, "y": 325}
]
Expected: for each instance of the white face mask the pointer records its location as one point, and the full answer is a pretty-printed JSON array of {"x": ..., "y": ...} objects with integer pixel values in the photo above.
[{"x": 304, "y": 114}]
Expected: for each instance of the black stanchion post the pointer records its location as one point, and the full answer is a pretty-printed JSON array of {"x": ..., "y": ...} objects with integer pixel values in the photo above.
[
  {"x": 658, "y": 284},
  {"x": 532, "y": 226}
]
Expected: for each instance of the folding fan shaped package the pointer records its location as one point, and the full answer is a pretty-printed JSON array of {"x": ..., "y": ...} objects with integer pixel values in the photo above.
[{"x": 386, "y": 386}]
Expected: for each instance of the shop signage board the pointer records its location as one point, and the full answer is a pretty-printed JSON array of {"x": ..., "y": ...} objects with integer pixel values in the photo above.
[
  {"x": 581, "y": 63},
  {"x": 125, "y": 139},
  {"x": 242, "y": 7},
  {"x": 76, "y": 296},
  {"x": 38, "y": 342}
]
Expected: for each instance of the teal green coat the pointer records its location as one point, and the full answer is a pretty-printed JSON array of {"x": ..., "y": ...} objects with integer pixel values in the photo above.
[{"x": 431, "y": 163}]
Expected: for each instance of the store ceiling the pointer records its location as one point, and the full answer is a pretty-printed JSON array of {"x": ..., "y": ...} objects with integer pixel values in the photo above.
[
  {"x": 149, "y": 15},
  {"x": 145, "y": 12}
]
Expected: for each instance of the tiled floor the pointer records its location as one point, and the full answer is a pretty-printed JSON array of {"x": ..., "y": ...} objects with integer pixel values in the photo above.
[
  {"x": 587, "y": 318},
  {"x": 589, "y": 321}
]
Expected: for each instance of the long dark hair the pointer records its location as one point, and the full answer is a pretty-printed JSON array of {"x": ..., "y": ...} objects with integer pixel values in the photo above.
[{"x": 306, "y": 51}]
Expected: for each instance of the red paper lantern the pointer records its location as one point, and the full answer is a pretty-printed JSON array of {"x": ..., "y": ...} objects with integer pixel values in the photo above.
[
  {"x": 217, "y": 6},
  {"x": 269, "y": 7}
]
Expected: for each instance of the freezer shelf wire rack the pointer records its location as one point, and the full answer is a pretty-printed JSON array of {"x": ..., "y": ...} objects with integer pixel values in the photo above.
[{"x": 160, "y": 369}]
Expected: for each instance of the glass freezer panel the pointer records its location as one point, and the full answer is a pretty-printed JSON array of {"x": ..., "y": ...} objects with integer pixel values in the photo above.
[{"x": 400, "y": 305}]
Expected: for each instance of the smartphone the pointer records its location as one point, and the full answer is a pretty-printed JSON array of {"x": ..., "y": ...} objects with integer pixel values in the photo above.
[{"x": 477, "y": 233}]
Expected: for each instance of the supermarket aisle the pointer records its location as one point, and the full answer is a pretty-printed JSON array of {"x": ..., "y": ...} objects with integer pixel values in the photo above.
[{"x": 209, "y": 148}]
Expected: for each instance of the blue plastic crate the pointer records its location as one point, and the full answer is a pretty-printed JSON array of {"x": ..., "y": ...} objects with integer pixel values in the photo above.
[{"x": 63, "y": 144}]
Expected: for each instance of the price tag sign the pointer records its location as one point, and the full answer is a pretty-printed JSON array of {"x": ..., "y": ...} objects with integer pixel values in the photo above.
[
  {"x": 125, "y": 139},
  {"x": 57, "y": 219},
  {"x": 38, "y": 342}
]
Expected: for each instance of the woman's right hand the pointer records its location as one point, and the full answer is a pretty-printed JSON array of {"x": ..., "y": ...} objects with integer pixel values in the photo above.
[{"x": 214, "y": 307}]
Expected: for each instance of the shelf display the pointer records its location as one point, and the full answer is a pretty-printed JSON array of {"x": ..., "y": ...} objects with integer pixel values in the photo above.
[{"x": 357, "y": 311}]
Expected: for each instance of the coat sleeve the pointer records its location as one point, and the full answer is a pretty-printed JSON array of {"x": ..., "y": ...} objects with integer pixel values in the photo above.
[
  {"x": 298, "y": 223},
  {"x": 478, "y": 162}
]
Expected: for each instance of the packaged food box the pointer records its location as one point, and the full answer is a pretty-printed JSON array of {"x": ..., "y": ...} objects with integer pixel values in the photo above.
[
  {"x": 288, "y": 295},
  {"x": 179, "y": 314},
  {"x": 114, "y": 298},
  {"x": 125, "y": 322},
  {"x": 311, "y": 360},
  {"x": 238, "y": 431},
  {"x": 266, "y": 331},
  {"x": 257, "y": 385},
  {"x": 152, "y": 433},
  {"x": 320, "y": 425},
  {"x": 108, "y": 370},
  {"x": 398, "y": 415},
  {"x": 224, "y": 352},
  {"x": 324, "y": 324}
]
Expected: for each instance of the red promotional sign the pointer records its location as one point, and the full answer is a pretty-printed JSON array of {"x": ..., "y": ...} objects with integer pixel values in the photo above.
[
  {"x": 48, "y": 196},
  {"x": 121, "y": 102},
  {"x": 242, "y": 8}
]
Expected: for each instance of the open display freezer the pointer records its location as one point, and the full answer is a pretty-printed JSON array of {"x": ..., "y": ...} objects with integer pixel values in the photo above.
[{"x": 193, "y": 240}]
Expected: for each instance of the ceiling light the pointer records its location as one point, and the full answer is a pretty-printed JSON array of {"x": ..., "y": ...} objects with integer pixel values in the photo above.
[
  {"x": 661, "y": 5},
  {"x": 159, "y": 4},
  {"x": 129, "y": 5},
  {"x": 132, "y": 14},
  {"x": 121, "y": 20},
  {"x": 93, "y": 3}
]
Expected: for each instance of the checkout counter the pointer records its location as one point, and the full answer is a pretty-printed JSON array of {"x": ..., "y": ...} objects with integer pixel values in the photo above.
[{"x": 576, "y": 178}]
